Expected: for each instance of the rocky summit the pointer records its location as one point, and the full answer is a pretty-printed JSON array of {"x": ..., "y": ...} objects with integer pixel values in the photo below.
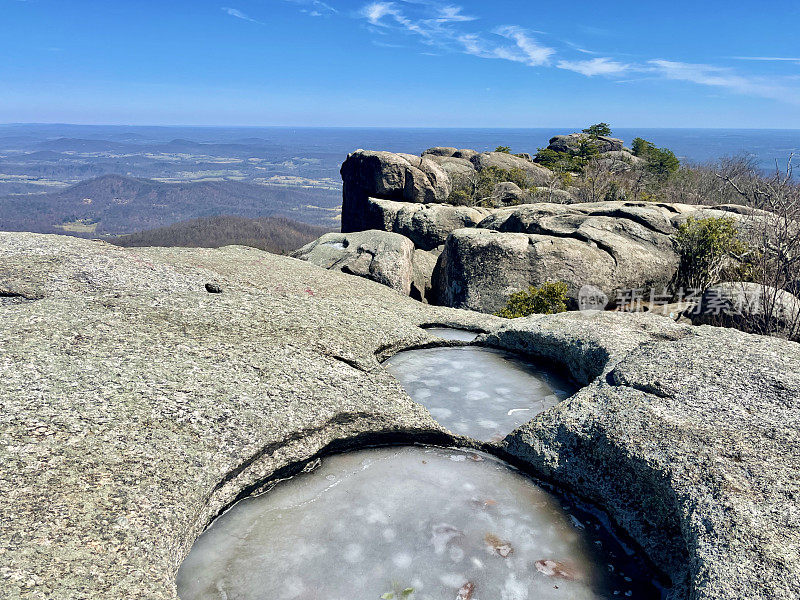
[
  {"x": 137, "y": 405},
  {"x": 476, "y": 256}
]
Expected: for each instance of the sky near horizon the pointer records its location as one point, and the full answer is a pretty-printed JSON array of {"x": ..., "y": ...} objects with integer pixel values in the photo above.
[{"x": 401, "y": 63}]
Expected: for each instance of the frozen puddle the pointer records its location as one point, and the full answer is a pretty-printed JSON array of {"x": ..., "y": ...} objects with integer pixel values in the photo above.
[
  {"x": 477, "y": 392},
  {"x": 413, "y": 523},
  {"x": 448, "y": 333}
]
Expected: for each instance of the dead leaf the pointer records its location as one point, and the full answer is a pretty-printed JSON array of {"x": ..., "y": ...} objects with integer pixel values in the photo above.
[
  {"x": 498, "y": 546},
  {"x": 554, "y": 568},
  {"x": 465, "y": 593},
  {"x": 475, "y": 457}
]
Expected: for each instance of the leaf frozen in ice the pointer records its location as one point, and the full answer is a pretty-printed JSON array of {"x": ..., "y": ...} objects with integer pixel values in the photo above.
[
  {"x": 498, "y": 546},
  {"x": 465, "y": 593},
  {"x": 555, "y": 568}
]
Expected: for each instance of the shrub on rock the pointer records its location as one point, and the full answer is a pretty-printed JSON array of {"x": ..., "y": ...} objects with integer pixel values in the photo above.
[
  {"x": 708, "y": 249},
  {"x": 548, "y": 299},
  {"x": 598, "y": 129}
]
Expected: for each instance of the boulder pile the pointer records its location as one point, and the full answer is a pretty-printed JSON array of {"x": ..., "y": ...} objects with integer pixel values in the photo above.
[{"x": 475, "y": 257}]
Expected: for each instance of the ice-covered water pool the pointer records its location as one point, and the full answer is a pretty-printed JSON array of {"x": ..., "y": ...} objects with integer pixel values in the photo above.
[
  {"x": 408, "y": 523},
  {"x": 479, "y": 392}
]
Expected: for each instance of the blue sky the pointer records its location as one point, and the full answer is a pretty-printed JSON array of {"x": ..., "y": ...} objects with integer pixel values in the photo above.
[{"x": 394, "y": 63}]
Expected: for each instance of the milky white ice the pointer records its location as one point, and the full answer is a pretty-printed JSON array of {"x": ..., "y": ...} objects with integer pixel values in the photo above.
[
  {"x": 394, "y": 523},
  {"x": 478, "y": 392}
]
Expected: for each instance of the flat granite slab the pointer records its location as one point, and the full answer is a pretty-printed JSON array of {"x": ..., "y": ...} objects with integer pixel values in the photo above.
[{"x": 135, "y": 405}]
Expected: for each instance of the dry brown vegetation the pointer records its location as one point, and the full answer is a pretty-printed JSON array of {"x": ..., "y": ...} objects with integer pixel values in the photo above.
[{"x": 763, "y": 248}]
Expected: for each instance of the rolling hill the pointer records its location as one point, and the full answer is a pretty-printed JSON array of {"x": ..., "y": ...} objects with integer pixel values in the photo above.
[
  {"x": 274, "y": 234},
  {"x": 115, "y": 204}
]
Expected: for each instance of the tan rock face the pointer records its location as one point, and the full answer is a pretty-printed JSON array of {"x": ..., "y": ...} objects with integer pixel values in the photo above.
[
  {"x": 402, "y": 177},
  {"x": 377, "y": 255},
  {"x": 427, "y": 225},
  {"x": 611, "y": 246}
]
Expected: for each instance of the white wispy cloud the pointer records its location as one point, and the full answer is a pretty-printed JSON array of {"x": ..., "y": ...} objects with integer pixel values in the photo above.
[
  {"x": 524, "y": 49},
  {"x": 595, "y": 66},
  {"x": 448, "y": 28},
  {"x": 314, "y": 8},
  {"x": 440, "y": 25},
  {"x": 375, "y": 12},
  {"x": 768, "y": 58},
  {"x": 722, "y": 77},
  {"x": 453, "y": 14},
  {"x": 234, "y": 12}
]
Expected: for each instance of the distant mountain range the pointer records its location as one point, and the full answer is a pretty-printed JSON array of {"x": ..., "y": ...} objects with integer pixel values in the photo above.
[
  {"x": 273, "y": 234},
  {"x": 115, "y": 204},
  {"x": 248, "y": 147}
]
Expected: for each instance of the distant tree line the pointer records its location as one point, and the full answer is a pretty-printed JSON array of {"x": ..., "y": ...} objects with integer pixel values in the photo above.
[{"x": 273, "y": 234}]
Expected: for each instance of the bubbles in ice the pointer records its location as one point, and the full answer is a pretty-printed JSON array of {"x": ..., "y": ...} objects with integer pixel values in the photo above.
[
  {"x": 405, "y": 523},
  {"x": 478, "y": 392}
]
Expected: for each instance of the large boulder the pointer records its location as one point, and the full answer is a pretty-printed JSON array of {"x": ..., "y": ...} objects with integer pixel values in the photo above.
[
  {"x": 610, "y": 245},
  {"x": 623, "y": 156},
  {"x": 444, "y": 151},
  {"x": 536, "y": 174},
  {"x": 378, "y": 255},
  {"x": 427, "y": 225},
  {"x": 480, "y": 268},
  {"x": 421, "y": 280},
  {"x": 507, "y": 193},
  {"x": 572, "y": 143},
  {"x": 402, "y": 177},
  {"x": 461, "y": 171},
  {"x": 690, "y": 436}
]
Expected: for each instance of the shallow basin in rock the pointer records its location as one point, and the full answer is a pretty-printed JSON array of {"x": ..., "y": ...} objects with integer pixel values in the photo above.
[
  {"x": 411, "y": 522},
  {"x": 449, "y": 333},
  {"x": 482, "y": 393}
]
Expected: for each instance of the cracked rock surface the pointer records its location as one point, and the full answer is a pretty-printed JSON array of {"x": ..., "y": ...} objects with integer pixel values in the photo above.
[
  {"x": 135, "y": 406},
  {"x": 687, "y": 436},
  {"x": 607, "y": 245}
]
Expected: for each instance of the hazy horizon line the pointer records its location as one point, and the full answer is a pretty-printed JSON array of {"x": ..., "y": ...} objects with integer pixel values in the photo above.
[{"x": 295, "y": 126}]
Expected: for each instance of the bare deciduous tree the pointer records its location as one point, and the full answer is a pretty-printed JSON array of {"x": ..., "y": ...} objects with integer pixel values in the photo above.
[{"x": 772, "y": 227}]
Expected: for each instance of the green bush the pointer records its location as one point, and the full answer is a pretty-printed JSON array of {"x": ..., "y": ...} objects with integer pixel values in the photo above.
[
  {"x": 661, "y": 162},
  {"x": 614, "y": 192},
  {"x": 503, "y": 149},
  {"x": 598, "y": 130},
  {"x": 560, "y": 162},
  {"x": 709, "y": 249},
  {"x": 460, "y": 198},
  {"x": 641, "y": 146},
  {"x": 491, "y": 176},
  {"x": 484, "y": 186},
  {"x": 587, "y": 149},
  {"x": 548, "y": 299}
]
